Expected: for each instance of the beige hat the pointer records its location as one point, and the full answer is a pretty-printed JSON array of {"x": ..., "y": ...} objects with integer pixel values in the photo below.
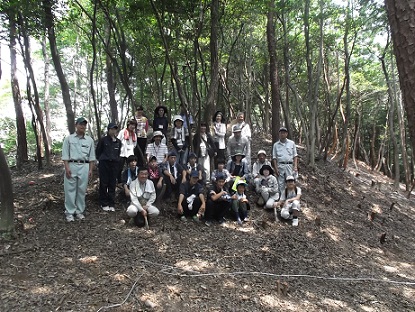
[{"x": 262, "y": 152}]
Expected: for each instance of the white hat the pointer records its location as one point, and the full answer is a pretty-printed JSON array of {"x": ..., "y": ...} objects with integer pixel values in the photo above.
[
  {"x": 262, "y": 152},
  {"x": 177, "y": 117},
  {"x": 290, "y": 178},
  {"x": 158, "y": 133}
]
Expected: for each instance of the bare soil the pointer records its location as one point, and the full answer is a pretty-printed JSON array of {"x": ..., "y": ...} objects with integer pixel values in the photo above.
[{"x": 353, "y": 250}]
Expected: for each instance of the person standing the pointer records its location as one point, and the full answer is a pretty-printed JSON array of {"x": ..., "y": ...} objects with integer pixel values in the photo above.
[
  {"x": 180, "y": 139},
  {"x": 141, "y": 132},
  {"x": 284, "y": 158},
  {"x": 238, "y": 143},
  {"x": 160, "y": 121},
  {"x": 108, "y": 153},
  {"x": 78, "y": 155},
  {"x": 128, "y": 140},
  {"x": 219, "y": 133},
  {"x": 245, "y": 133},
  {"x": 204, "y": 147}
]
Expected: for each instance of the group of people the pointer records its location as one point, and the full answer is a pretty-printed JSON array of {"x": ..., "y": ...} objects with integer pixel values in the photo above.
[{"x": 154, "y": 172}]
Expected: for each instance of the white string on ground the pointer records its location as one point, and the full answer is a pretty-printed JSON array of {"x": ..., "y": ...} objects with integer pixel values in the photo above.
[
  {"x": 198, "y": 274},
  {"x": 126, "y": 298},
  {"x": 335, "y": 278}
]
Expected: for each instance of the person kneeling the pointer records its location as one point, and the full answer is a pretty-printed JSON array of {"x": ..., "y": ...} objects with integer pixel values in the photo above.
[
  {"x": 143, "y": 195},
  {"x": 218, "y": 202},
  {"x": 290, "y": 201},
  {"x": 240, "y": 203},
  {"x": 191, "y": 201},
  {"x": 267, "y": 187}
]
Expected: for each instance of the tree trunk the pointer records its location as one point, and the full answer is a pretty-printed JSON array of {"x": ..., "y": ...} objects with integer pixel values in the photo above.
[
  {"x": 401, "y": 15},
  {"x": 275, "y": 88},
  {"x": 6, "y": 197},
  {"x": 17, "y": 99},
  {"x": 38, "y": 114},
  {"x": 391, "y": 115},
  {"x": 46, "y": 100},
  {"x": 214, "y": 59},
  {"x": 47, "y": 6},
  {"x": 111, "y": 84}
]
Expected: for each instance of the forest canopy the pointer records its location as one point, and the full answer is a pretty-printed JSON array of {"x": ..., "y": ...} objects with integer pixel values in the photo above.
[{"x": 324, "y": 69}]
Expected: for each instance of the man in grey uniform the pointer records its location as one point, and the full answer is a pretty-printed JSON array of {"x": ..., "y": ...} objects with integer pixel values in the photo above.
[
  {"x": 78, "y": 155},
  {"x": 284, "y": 158},
  {"x": 237, "y": 142}
]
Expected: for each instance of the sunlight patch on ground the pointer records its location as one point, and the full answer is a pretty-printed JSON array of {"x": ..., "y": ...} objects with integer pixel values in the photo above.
[
  {"x": 409, "y": 293},
  {"x": 194, "y": 265},
  {"x": 390, "y": 269},
  {"x": 229, "y": 284},
  {"x": 46, "y": 175},
  {"x": 120, "y": 277},
  {"x": 265, "y": 248},
  {"x": 42, "y": 290},
  {"x": 89, "y": 259},
  {"x": 275, "y": 302},
  {"x": 333, "y": 233},
  {"x": 333, "y": 305}
]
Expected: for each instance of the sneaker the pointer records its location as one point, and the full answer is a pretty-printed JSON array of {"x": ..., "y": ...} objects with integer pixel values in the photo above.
[
  {"x": 208, "y": 223},
  {"x": 246, "y": 219},
  {"x": 105, "y": 208},
  {"x": 196, "y": 218},
  {"x": 183, "y": 218},
  {"x": 80, "y": 216},
  {"x": 222, "y": 221},
  {"x": 70, "y": 218},
  {"x": 111, "y": 209},
  {"x": 239, "y": 221},
  {"x": 295, "y": 222}
]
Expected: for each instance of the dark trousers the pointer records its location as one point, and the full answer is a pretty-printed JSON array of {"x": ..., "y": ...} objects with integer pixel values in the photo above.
[
  {"x": 195, "y": 208},
  {"x": 141, "y": 144},
  {"x": 108, "y": 171},
  {"x": 239, "y": 209},
  {"x": 216, "y": 210},
  {"x": 121, "y": 165},
  {"x": 172, "y": 188},
  {"x": 220, "y": 154}
]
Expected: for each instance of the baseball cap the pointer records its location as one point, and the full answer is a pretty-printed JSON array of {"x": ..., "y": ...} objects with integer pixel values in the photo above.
[
  {"x": 172, "y": 153},
  {"x": 283, "y": 129},
  {"x": 262, "y": 152},
  {"x": 236, "y": 128},
  {"x": 158, "y": 133},
  {"x": 112, "y": 125},
  {"x": 81, "y": 120},
  {"x": 194, "y": 174}
]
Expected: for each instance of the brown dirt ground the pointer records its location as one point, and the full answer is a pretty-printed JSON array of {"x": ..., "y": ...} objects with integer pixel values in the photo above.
[{"x": 101, "y": 264}]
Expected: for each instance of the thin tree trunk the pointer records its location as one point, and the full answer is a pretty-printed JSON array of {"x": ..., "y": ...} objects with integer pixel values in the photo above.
[
  {"x": 392, "y": 101},
  {"x": 38, "y": 122},
  {"x": 48, "y": 126},
  {"x": 92, "y": 69},
  {"x": 49, "y": 20},
  {"x": 275, "y": 88},
  {"x": 212, "y": 95},
  {"x": 17, "y": 99}
]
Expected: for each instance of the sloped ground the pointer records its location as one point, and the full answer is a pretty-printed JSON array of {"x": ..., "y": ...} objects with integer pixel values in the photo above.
[{"x": 101, "y": 264}]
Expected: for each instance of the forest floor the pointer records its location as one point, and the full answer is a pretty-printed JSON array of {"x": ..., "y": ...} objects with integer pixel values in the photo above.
[{"x": 336, "y": 259}]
